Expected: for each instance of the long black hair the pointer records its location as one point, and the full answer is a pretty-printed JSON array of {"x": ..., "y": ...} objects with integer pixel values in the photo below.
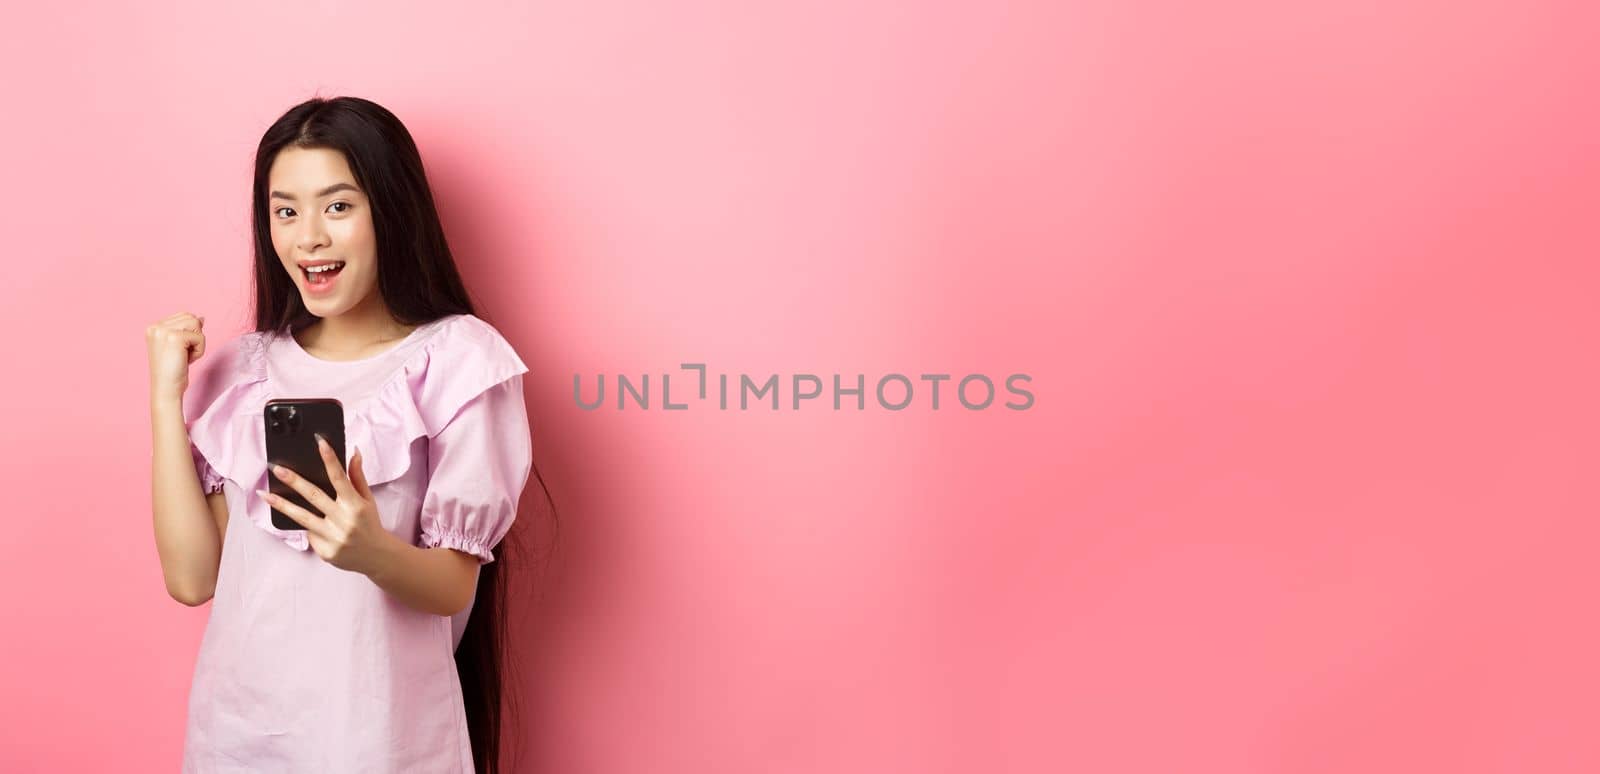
[{"x": 418, "y": 281}]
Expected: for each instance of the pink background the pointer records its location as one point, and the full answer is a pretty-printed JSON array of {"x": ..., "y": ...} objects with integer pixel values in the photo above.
[{"x": 1308, "y": 296}]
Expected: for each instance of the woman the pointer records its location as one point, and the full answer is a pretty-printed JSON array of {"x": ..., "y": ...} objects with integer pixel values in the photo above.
[{"x": 346, "y": 645}]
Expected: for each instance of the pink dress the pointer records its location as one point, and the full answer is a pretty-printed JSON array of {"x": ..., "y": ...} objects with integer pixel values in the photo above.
[{"x": 305, "y": 667}]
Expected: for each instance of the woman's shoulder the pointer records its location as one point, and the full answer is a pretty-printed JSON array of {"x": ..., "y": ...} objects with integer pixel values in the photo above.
[
  {"x": 468, "y": 340},
  {"x": 461, "y": 359},
  {"x": 224, "y": 367},
  {"x": 471, "y": 327}
]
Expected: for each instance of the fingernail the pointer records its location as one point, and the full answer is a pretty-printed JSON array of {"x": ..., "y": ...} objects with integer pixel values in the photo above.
[
  {"x": 280, "y": 470},
  {"x": 320, "y": 439},
  {"x": 264, "y": 494}
]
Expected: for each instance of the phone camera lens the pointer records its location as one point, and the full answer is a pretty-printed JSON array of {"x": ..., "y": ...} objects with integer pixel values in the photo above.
[{"x": 283, "y": 419}]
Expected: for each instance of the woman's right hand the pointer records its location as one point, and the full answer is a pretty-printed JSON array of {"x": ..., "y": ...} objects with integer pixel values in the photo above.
[{"x": 173, "y": 343}]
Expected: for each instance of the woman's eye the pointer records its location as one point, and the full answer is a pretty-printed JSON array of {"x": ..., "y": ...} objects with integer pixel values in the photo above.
[{"x": 345, "y": 205}]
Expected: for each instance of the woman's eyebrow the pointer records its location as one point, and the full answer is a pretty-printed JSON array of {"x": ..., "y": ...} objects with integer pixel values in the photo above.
[{"x": 324, "y": 192}]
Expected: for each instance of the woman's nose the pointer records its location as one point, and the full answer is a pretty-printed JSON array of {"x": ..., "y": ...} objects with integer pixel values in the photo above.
[{"x": 312, "y": 235}]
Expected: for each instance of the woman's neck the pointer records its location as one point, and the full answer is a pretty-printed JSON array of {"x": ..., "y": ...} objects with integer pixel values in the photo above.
[{"x": 352, "y": 333}]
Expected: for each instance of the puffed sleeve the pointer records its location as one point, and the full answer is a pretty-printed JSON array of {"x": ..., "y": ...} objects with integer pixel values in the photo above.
[
  {"x": 478, "y": 464},
  {"x": 210, "y": 479},
  {"x": 222, "y": 385}
]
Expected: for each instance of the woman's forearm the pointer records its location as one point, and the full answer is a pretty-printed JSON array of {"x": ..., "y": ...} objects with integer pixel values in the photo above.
[
  {"x": 186, "y": 532},
  {"x": 435, "y": 580}
]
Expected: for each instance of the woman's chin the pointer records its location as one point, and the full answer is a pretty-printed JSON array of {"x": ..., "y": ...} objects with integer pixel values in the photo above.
[{"x": 321, "y": 306}]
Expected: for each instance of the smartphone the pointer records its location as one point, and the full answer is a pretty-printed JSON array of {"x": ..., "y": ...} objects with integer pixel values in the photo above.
[{"x": 292, "y": 425}]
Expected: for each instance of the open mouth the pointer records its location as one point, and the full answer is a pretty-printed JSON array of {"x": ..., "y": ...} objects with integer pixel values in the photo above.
[{"x": 322, "y": 275}]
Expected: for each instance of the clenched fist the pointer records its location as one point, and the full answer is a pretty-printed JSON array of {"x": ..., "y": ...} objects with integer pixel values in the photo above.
[{"x": 173, "y": 343}]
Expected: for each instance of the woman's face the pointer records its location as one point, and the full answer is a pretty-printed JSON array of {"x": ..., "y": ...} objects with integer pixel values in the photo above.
[{"x": 320, "y": 217}]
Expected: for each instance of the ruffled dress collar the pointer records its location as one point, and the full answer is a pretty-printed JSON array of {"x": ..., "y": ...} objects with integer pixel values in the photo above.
[{"x": 459, "y": 358}]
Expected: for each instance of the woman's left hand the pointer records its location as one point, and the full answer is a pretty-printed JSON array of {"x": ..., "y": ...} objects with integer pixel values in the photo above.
[{"x": 349, "y": 534}]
